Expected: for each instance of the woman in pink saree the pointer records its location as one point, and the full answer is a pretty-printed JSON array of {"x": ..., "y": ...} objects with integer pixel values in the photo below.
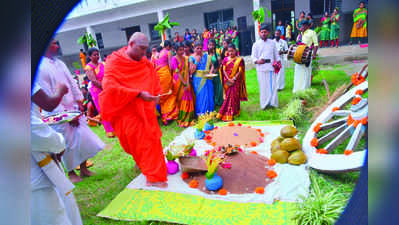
[
  {"x": 95, "y": 72},
  {"x": 234, "y": 88}
]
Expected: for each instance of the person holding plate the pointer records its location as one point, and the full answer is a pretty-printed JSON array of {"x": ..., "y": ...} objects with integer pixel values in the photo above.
[{"x": 81, "y": 143}]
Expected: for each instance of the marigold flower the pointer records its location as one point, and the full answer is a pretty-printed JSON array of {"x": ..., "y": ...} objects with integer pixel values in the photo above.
[
  {"x": 335, "y": 108},
  {"x": 322, "y": 151},
  {"x": 254, "y": 152},
  {"x": 356, "y": 100},
  {"x": 213, "y": 144},
  {"x": 262, "y": 134},
  {"x": 271, "y": 162},
  {"x": 231, "y": 124},
  {"x": 193, "y": 184},
  {"x": 314, "y": 142},
  {"x": 260, "y": 190},
  {"x": 222, "y": 191},
  {"x": 364, "y": 120},
  {"x": 359, "y": 92},
  {"x": 259, "y": 130},
  {"x": 356, "y": 122},
  {"x": 348, "y": 152},
  {"x": 350, "y": 120},
  {"x": 184, "y": 175},
  {"x": 253, "y": 143},
  {"x": 317, "y": 127},
  {"x": 271, "y": 174}
]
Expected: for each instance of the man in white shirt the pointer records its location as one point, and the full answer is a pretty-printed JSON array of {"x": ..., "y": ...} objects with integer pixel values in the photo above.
[
  {"x": 81, "y": 142},
  {"x": 52, "y": 200},
  {"x": 264, "y": 54},
  {"x": 282, "y": 48},
  {"x": 302, "y": 73}
]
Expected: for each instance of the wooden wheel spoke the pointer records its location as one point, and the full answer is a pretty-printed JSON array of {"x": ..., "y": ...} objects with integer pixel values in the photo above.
[
  {"x": 339, "y": 139},
  {"x": 356, "y": 136},
  {"x": 333, "y": 124},
  {"x": 332, "y": 134},
  {"x": 341, "y": 113}
]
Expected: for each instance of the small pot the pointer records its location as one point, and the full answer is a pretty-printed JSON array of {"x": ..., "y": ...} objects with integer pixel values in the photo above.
[
  {"x": 214, "y": 183},
  {"x": 208, "y": 126},
  {"x": 172, "y": 167},
  {"x": 199, "y": 134}
]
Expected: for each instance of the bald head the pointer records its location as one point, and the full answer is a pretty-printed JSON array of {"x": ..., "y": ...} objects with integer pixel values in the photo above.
[
  {"x": 139, "y": 38},
  {"x": 137, "y": 46}
]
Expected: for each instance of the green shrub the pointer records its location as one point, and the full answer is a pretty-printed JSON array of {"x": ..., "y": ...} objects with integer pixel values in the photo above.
[
  {"x": 293, "y": 110},
  {"x": 321, "y": 207}
]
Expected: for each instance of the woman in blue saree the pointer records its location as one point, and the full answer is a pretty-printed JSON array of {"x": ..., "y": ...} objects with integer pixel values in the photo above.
[{"x": 203, "y": 86}]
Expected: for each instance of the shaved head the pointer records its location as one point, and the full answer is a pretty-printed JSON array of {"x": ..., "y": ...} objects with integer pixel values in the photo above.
[
  {"x": 137, "y": 46},
  {"x": 139, "y": 39}
]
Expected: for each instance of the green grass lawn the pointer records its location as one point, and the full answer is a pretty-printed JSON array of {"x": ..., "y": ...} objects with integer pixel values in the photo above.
[{"x": 115, "y": 169}]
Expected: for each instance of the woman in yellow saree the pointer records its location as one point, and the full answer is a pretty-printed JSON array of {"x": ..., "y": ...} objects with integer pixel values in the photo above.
[
  {"x": 182, "y": 88},
  {"x": 167, "y": 102},
  {"x": 234, "y": 88}
]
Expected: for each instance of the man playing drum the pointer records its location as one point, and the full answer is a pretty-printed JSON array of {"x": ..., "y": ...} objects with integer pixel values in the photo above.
[{"x": 302, "y": 73}]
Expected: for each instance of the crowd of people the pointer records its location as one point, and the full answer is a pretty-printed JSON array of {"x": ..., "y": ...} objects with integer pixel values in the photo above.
[{"x": 138, "y": 85}]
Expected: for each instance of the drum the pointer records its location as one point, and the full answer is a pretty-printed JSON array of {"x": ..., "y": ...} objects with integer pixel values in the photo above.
[{"x": 301, "y": 54}]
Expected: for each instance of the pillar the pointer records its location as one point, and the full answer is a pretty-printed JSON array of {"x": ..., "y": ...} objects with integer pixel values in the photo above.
[
  {"x": 160, "y": 18},
  {"x": 256, "y": 4}
]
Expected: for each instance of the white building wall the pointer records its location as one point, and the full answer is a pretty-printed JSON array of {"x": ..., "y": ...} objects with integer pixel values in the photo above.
[{"x": 68, "y": 41}]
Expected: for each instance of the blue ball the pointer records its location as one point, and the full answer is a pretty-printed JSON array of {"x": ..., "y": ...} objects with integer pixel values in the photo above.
[{"x": 214, "y": 184}]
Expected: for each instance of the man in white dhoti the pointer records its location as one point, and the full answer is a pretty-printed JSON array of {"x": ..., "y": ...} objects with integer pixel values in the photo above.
[
  {"x": 81, "y": 142},
  {"x": 52, "y": 200},
  {"x": 302, "y": 73},
  {"x": 264, "y": 54},
  {"x": 282, "y": 48}
]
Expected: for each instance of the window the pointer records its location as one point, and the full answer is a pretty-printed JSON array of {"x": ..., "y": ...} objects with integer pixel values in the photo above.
[
  {"x": 318, "y": 7},
  {"x": 220, "y": 19},
  {"x": 154, "y": 34},
  {"x": 100, "y": 42},
  {"x": 131, "y": 30}
]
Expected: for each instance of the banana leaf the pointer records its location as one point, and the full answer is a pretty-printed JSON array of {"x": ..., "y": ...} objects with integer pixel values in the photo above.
[
  {"x": 82, "y": 39},
  {"x": 261, "y": 15},
  {"x": 174, "y": 24}
]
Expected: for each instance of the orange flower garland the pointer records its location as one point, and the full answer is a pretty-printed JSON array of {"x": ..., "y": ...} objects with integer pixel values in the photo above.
[
  {"x": 335, "y": 108},
  {"x": 364, "y": 121},
  {"x": 359, "y": 92},
  {"x": 260, "y": 190},
  {"x": 314, "y": 142},
  {"x": 350, "y": 120},
  {"x": 222, "y": 191},
  {"x": 356, "y": 100},
  {"x": 184, "y": 175},
  {"x": 271, "y": 174},
  {"x": 317, "y": 127},
  {"x": 348, "y": 152},
  {"x": 322, "y": 151},
  {"x": 357, "y": 79},
  {"x": 271, "y": 162},
  {"x": 193, "y": 184}
]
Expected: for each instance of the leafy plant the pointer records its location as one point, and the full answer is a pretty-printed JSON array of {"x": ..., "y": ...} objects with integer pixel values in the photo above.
[
  {"x": 259, "y": 15},
  {"x": 315, "y": 66},
  {"x": 162, "y": 26},
  {"x": 322, "y": 207},
  {"x": 212, "y": 163},
  {"x": 307, "y": 94},
  {"x": 293, "y": 110},
  {"x": 88, "y": 39},
  {"x": 76, "y": 65}
]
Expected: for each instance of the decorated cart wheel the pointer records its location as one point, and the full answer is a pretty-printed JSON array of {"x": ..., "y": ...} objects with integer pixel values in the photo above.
[{"x": 332, "y": 142}]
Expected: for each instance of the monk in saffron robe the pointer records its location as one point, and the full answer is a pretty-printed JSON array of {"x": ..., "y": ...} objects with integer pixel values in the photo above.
[{"x": 130, "y": 93}]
